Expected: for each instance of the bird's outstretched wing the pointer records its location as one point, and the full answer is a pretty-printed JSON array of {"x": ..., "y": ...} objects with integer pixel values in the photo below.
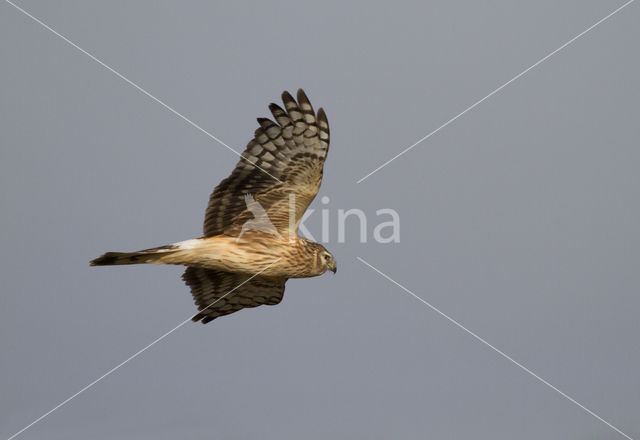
[
  {"x": 218, "y": 293},
  {"x": 290, "y": 153}
]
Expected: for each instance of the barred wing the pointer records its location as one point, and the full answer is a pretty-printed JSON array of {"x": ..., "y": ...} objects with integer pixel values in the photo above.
[
  {"x": 282, "y": 163},
  {"x": 218, "y": 293}
]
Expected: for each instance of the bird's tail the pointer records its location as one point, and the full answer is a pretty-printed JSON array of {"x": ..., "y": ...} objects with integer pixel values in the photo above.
[{"x": 153, "y": 255}]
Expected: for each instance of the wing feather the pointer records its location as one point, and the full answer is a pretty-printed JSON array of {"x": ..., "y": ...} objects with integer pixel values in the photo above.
[
  {"x": 218, "y": 293},
  {"x": 292, "y": 149}
]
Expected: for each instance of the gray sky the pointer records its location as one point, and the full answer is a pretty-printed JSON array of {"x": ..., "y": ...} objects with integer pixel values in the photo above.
[{"x": 520, "y": 220}]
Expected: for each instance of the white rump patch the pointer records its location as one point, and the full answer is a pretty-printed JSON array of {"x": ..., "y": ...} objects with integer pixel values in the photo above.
[{"x": 189, "y": 244}]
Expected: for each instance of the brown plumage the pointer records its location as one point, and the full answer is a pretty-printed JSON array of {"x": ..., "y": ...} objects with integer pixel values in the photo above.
[{"x": 251, "y": 245}]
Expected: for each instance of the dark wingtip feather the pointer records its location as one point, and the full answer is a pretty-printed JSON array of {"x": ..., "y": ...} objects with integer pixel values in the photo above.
[
  {"x": 302, "y": 97},
  {"x": 265, "y": 121},
  {"x": 280, "y": 115},
  {"x": 322, "y": 116},
  {"x": 323, "y": 125},
  {"x": 286, "y": 96},
  {"x": 305, "y": 105},
  {"x": 203, "y": 318}
]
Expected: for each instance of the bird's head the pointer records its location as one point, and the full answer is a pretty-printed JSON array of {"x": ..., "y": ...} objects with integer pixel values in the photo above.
[{"x": 325, "y": 260}]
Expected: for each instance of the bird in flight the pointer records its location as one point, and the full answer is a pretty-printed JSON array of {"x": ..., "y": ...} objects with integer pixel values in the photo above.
[{"x": 250, "y": 246}]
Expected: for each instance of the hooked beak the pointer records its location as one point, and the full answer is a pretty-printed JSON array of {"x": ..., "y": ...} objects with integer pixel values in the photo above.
[{"x": 333, "y": 268}]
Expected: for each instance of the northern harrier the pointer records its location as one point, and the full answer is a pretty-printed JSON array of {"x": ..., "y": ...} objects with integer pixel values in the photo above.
[{"x": 232, "y": 267}]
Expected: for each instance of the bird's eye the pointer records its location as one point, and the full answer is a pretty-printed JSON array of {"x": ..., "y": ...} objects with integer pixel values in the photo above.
[{"x": 326, "y": 257}]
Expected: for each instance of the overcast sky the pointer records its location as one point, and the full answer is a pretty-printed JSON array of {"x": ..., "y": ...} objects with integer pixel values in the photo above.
[{"x": 519, "y": 220}]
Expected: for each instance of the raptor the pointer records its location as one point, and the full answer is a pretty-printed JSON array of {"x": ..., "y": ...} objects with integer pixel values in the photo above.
[{"x": 250, "y": 246}]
